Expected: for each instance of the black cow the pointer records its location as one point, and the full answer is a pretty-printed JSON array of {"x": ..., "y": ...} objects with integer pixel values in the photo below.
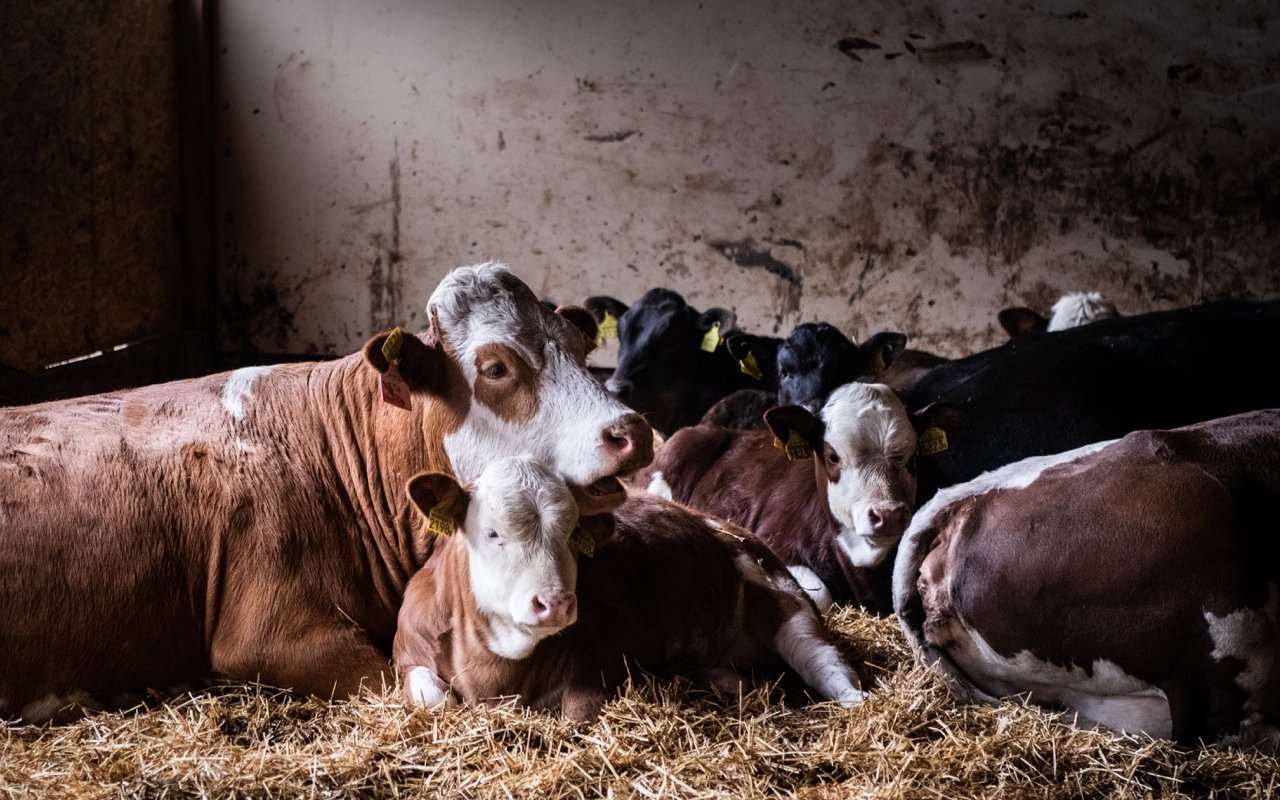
[
  {"x": 1046, "y": 393},
  {"x": 815, "y": 360},
  {"x": 672, "y": 364}
]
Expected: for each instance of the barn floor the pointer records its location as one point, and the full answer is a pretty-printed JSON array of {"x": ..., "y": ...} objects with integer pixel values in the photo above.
[{"x": 908, "y": 740}]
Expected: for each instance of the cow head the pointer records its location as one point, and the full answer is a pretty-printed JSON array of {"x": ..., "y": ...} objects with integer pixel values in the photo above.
[
  {"x": 1069, "y": 311},
  {"x": 817, "y": 358},
  {"x": 662, "y": 371},
  {"x": 509, "y": 377},
  {"x": 864, "y": 463},
  {"x": 518, "y": 523}
]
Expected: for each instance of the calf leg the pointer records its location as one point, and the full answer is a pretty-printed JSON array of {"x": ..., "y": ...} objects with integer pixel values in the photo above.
[
  {"x": 786, "y": 623},
  {"x": 423, "y": 687}
]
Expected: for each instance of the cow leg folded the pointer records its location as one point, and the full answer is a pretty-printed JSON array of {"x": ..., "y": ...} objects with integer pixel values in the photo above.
[{"x": 332, "y": 662}]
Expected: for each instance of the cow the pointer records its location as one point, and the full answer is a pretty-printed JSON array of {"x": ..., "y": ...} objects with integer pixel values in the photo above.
[
  {"x": 831, "y": 503},
  {"x": 522, "y": 601},
  {"x": 1134, "y": 583},
  {"x": 1047, "y": 393},
  {"x": 253, "y": 524},
  {"x": 1069, "y": 311},
  {"x": 672, "y": 362},
  {"x": 812, "y": 362}
]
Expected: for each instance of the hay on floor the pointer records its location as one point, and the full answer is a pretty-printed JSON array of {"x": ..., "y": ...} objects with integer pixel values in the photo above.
[{"x": 908, "y": 740}]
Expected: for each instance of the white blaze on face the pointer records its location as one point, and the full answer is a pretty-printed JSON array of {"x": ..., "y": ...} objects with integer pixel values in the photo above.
[
  {"x": 484, "y": 307},
  {"x": 523, "y": 571},
  {"x": 868, "y": 430}
]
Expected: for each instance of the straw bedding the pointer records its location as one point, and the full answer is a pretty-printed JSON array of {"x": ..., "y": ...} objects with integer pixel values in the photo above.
[{"x": 658, "y": 740}]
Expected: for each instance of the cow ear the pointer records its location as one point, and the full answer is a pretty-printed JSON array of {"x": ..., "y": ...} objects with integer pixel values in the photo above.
[
  {"x": 757, "y": 355},
  {"x": 600, "y": 303},
  {"x": 584, "y": 321},
  {"x": 723, "y": 316},
  {"x": 439, "y": 493},
  {"x": 421, "y": 365},
  {"x": 1021, "y": 321},
  {"x": 947, "y": 416},
  {"x": 882, "y": 347},
  {"x": 599, "y": 527},
  {"x": 784, "y": 420}
]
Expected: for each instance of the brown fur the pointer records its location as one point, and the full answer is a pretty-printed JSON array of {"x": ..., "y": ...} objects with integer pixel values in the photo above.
[
  {"x": 662, "y": 594},
  {"x": 1118, "y": 556},
  {"x": 740, "y": 476}
]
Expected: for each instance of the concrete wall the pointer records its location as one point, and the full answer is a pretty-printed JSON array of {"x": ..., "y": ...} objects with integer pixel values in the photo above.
[{"x": 914, "y": 166}]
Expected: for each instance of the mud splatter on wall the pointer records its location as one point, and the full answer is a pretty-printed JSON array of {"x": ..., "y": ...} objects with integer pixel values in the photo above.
[{"x": 915, "y": 165}]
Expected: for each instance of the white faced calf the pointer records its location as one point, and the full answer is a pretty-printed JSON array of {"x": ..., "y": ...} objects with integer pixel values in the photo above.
[{"x": 655, "y": 588}]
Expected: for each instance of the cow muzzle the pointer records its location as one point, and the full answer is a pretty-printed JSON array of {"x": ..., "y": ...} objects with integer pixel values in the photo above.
[{"x": 554, "y": 609}]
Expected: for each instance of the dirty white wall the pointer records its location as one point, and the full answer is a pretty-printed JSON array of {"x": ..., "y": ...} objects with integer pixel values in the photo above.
[{"x": 911, "y": 165}]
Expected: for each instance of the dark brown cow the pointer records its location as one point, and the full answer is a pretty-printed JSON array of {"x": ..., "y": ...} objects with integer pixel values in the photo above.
[
  {"x": 1134, "y": 583},
  {"x": 253, "y": 524},
  {"x": 833, "y": 516},
  {"x": 508, "y": 607}
]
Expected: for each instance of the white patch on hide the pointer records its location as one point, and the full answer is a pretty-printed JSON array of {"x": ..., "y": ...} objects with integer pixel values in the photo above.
[
  {"x": 1080, "y": 308},
  {"x": 1109, "y": 696},
  {"x": 812, "y": 586},
  {"x": 658, "y": 486},
  {"x": 1250, "y": 636},
  {"x": 239, "y": 389}
]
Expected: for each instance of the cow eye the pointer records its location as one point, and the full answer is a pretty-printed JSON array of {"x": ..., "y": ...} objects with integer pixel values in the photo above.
[
  {"x": 833, "y": 458},
  {"x": 492, "y": 535},
  {"x": 494, "y": 370}
]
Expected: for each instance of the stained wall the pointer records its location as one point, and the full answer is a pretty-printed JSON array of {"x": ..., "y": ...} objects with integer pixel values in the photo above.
[{"x": 913, "y": 166}]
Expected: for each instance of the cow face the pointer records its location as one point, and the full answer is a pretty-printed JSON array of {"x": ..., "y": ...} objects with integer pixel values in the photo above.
[
  {"x": 516, "y": 523},
  {"x": 864, "y": 461},
  {"x": 817, "y": 358},
  {"x": 814, "y": 360},
  {"x": 514, "y": 380},
  {"x": 662, "y": 371}
]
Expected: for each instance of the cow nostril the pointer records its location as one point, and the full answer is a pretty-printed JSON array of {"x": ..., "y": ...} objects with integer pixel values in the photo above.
[{"x": 617, "y": 440}]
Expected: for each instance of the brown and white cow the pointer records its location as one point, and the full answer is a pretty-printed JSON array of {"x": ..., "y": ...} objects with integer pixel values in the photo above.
[
  {"x": 522, "y": 602},
  {"x": 1134, "y": 583},
  {"x": 253, "y": 524},
  {"x": 834, "y": 516}
]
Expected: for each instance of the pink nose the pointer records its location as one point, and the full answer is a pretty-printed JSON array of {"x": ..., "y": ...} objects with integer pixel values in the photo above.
[
  {"x": 555, "y": 609},
  {"x": 629, "y": 440},
  {"x": 888, "y": 519}
]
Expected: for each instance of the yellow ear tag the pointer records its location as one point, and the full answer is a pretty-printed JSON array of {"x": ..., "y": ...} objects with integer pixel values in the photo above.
[
  {"x": 749, "y": 366},
  {"x": 391, "y": 347},
  {"x": 712, "y": 338},
  {"x": 796, "y": 447},
  {"x": 439, "y": 521},
  {"x": 583, "y": 542},
  {"x": 933, "y": 441},
  {"x": 608, "y": 327}
]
